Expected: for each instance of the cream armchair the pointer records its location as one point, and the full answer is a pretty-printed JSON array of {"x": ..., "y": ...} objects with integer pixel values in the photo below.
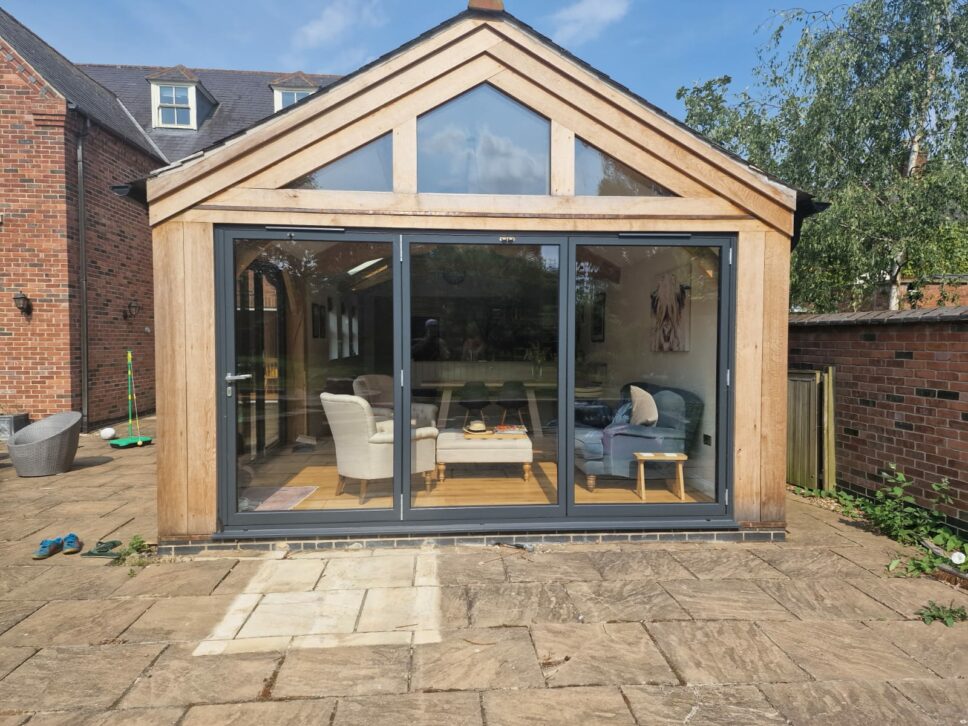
[
  {"x": 364, "y": 446},
  {"x": 377, "y": 389}
]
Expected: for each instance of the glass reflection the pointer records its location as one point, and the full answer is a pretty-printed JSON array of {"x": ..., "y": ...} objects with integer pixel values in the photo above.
[
  {"x": 314, "y": 331},
  {"x": 483, "y": 142},
  {"x": 599, "y": 175},
  {"x": 366, "y": 169},
  {"x": 646, "y": 357},
  {"x": 484, "y": 362}
]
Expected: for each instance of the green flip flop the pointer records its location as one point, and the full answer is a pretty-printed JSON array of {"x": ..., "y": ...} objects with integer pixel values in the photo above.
[{"x": 103, "y": 549}]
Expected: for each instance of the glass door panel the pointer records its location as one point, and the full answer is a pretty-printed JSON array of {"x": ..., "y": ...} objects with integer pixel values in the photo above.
[
  {"x": 314, "y": 360},
  {"x": 647, "y": 361},
  {"x": 484, "y": 374}
]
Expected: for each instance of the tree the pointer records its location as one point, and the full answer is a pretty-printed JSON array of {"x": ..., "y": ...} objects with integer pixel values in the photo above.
[{"x": 865, "y": 107}]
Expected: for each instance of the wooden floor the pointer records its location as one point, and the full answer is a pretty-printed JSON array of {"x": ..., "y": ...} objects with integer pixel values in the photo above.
[{"x": 469, "y": 485}]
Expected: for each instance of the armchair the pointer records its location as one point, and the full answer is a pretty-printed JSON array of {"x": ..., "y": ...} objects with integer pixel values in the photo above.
[
  {"x": 377, "y": 390},
  {"x": 609, "y": 451},
  {"x": 364, "y": 446}
]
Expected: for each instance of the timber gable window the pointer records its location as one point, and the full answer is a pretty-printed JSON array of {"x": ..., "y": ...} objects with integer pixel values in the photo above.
[
  {"x": 173, "y": 105},
  {"x": 483, "y": 142},
  {"x": 368, "y": 168}
]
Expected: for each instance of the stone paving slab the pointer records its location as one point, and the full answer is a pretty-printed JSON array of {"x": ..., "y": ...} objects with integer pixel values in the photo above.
[
  {"x": 519, "y": 603},
  {"x": 113, "y": 667},
  {"x": 845, "y": 703},
  {"x": 376, "y": 571},
  {"x": 63, "y": 622},
  {"x": 191, "y": 618},
  {"x": 178, "y": 578},
  {"x": 723, "y": 652},
  {"x": 179, "y": 678},
  {"x": 11, "y": 657},
  {"x": 292, "y": 713},
  {"x": 726, "y": 564},
  {"x": 350, "y": 671},
  {"x": 477, "y": 659},
  {"x": 459, "y": 569},
  {"x": 413, "y": 608},
  {"x": 599, "y": 655},
  {"x": 624, "y": 601},
  {"x": 12, "y": 613},
  {"x": 70, "y": 583},
  {"x": 414, "y": 709},
  {"x": 827, "y": 599},
  {"x": 833, "y": 651},
  {"x": 943, "y": 701},
  {"x": 821, "y": 563},
  {"x": 642, "y": 563},
  {"x": 304, "y": 613},
  {"x": 586, "y": 706},
  {"x": 944, "y": 650},
  {"x": 548, "y": 567},
  {"x": 726, "y": 600},
  {"x": 707, "y": 705},
  {"x": 907, "y": 596},
  {"x": 131, "y": 717}
]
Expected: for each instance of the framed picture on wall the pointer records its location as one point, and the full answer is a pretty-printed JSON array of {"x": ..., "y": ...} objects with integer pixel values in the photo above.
[
  {"x": 598, "y": 318},
  {"x": 671, "y": 311}
]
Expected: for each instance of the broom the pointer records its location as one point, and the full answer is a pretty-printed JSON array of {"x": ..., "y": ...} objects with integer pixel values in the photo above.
[{"x": 131, "y": 439}]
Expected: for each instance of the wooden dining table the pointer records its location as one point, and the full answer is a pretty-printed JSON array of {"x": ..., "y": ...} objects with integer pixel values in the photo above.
[{"x": 447, "y": 389}]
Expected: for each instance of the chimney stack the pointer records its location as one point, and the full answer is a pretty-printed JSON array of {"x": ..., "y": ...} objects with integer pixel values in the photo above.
[{"x": 487, "y": 6}]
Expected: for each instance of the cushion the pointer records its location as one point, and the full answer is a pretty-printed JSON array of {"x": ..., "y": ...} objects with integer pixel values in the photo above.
[{"x": 644, "y": 410}]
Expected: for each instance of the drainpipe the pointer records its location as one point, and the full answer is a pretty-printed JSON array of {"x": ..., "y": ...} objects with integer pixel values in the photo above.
[{"x": 82, "y": 263}]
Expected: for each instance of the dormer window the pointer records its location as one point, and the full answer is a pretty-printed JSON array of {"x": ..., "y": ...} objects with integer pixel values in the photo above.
[
  {"x": 286, "y": 96},
  {"x": 175, "y": 107}
]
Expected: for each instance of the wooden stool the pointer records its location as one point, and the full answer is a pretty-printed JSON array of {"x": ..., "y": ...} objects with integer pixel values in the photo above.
[{"x": 679, "y": 459}]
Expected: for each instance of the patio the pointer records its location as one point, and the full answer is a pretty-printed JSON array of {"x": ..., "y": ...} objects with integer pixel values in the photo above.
[{"x": 621, "y": 633}]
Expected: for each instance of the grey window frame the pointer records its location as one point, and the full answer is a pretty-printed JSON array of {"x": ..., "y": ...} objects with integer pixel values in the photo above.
[{"x": 402, "y": 518}]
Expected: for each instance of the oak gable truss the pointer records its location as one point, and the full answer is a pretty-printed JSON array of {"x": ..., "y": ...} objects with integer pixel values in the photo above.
[{"x": 242, "y": 179}]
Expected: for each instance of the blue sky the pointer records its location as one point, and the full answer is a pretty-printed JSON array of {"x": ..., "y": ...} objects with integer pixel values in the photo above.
[{"x": 651, "y": 46}]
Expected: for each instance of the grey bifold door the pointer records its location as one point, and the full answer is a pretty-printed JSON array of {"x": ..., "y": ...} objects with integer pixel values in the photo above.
[{"x": 368, "y": 380}]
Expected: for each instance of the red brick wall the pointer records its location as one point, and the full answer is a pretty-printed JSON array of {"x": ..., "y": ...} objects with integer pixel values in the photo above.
[
  {"x": 901, "y": 397},
  {"x": 119, "y": 271},
  {"x": 36, "y": 374},
  {"x": 40, "y": 355}
]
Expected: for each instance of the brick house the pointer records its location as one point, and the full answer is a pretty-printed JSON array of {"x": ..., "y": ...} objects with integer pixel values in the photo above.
[{"x": 80, "y": 251}]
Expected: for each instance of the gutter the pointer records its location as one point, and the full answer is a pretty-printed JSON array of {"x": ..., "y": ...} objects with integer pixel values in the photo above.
[{"x": 807, "y": 206}]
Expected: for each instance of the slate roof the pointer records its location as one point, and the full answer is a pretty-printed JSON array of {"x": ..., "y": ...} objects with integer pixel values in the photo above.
[
  {"x": 243, "y": 97},
  {"x": 90, "y": 97}
]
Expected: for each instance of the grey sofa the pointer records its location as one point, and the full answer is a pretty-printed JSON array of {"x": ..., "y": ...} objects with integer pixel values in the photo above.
[
  {"x": 609, "y": 451},
  {"x": 46, "y": 447}
]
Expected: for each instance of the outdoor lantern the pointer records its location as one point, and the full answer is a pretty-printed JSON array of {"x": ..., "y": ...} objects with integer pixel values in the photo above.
[
  {"x": 131, "y": 310},
  {"x": 22, "y": 302}
]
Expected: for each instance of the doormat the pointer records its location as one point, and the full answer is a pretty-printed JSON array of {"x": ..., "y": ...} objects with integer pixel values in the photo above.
[{"x": 264, "y": 499}]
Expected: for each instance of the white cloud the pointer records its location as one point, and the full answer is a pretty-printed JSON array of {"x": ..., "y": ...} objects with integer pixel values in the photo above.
[
  {"x": 584, "y": 20},
  {"x": 338, "y": 19},
  {"x": 330, "y": 42}
]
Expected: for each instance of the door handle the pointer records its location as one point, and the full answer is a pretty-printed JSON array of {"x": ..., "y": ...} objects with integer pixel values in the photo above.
[{"x": 232, "y": 378}]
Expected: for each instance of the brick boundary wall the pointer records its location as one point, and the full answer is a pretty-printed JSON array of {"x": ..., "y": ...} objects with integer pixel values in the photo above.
[{"x": 901, "y": 387}]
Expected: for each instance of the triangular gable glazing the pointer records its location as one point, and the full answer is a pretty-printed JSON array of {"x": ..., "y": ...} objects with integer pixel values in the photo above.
[
  {"x": 598, "y": 174},
  {"x": 483, "y": 142},
  {"x": 366, "y": 169}
]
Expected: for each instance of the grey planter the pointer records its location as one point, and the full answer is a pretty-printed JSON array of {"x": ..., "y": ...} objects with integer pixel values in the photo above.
[
  {"x": 46, "y": 447},
  {"x": 10, "y": 423}
]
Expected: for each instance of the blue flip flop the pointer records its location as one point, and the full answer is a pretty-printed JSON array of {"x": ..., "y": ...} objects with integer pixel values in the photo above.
[
  {"x": 72, "y": 544},
  {"x": 48, "y": 548}
]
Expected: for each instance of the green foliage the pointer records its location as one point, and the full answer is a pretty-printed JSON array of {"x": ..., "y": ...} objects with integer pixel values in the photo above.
[
  {"x": 947, "y": 614},
  {"x": 137, "y": 553},
  {"x": 894, "y": 512},
  {"x": 868, "y": 109}
]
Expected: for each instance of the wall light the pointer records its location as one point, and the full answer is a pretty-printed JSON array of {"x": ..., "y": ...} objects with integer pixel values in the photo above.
[
  {"x": 131, "y": 310},
  {"x": 23, "y": 303}
]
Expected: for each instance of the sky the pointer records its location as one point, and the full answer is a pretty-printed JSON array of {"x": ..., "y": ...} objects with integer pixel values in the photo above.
[{"x": 651, "y": 46}]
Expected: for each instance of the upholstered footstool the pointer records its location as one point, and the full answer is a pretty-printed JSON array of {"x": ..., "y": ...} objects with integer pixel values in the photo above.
[{"x": 454, "y": 448}]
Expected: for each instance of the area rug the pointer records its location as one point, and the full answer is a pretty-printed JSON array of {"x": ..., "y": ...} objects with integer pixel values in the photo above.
[{"x": 264, "y": 499}]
